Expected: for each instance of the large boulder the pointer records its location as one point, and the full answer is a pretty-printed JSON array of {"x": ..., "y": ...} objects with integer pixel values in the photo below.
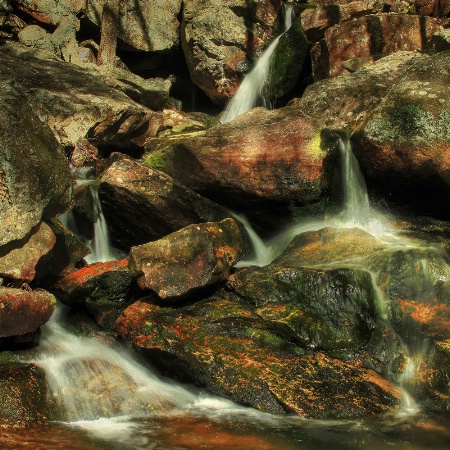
[
  {"x": 403, "y": 147},
  {"x": 50, "y": 12},
  {"x": 35, "y": 182},
  {"x": 145, "y": 26},
  {"x": 222, "y": 344},
  {"x": 21, "y": 257},
  {"x": 262, "y": 158},
  {"x": 187, "y": 260},
  {"x": 370, "y": 37},
  {"x": 348, "y": 100},
  {"x": 75, "y": 103},
  {"x": 220, "y": 37},
  {"x": 24, "y": 311},
  {"x": 143, "y": 204}
]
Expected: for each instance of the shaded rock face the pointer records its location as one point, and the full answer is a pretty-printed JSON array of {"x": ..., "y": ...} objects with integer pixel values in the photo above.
[
  {"x": 147, "y": 26},
  {"x": 76, "y": 104},
  {"x": 367, "y": 37},
  {"x": 403, "y": 146},
  {"x": 260, "y": 159},
  {"x": 223, "y": 344},
  {"x": 35, "y": 183},
  {"x": 19, "y": 262},
  {"x": 23, "y": 395},
  {"x": 23, "y": 311},
  {"x": 143, "y": 204},
  {"x": 347, "y": 101},
  {"x": 192, "y": 258},
  {"x": 220, "y": 37}
]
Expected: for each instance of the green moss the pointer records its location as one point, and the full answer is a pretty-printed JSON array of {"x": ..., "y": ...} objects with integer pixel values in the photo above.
[{"x": 156, "y": 160}]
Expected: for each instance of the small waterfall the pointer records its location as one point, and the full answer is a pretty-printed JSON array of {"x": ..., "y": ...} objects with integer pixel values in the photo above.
[
  {"x": 356, "y": 200},
  {"x": 252, "y": 88},
  {"x": 100, "y": 244}
]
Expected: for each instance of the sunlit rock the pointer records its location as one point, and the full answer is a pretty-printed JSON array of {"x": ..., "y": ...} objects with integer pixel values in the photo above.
[
  {"x": 262, "y": 158},
  {"x": 24, "y": 311},
  {"x": 143, "y": 204},
  {"x": 370, "y": 36},
  {"x": 189, "y": 259},
  {"x": 18, "y": 260},
  {"x": 404, "y": 144},
  {"x": 35, "y": 182},
  {"x": 220, "y": 37}
]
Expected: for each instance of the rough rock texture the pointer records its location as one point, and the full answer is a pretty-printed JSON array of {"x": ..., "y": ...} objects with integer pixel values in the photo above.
[
  {"x": 94, "y": 283},
  {"x": 142, "y": 204},
  {"x": 404, "y": 145},
  {"x": 23, "y": 395},
  {"x": 51, "y": 12},
  {"x": 220, "y": 37},
  {"x": 35, "y": 182},
  {"x": 220, "y": 343},
  {"x": 261, "y": 158},
  {"x": 189, "y": 259},
  {"x": 23, "y": 311},
  {"x": 348, "y": 100},
  {"x": 315, "y": 21},
  {"x": 368, "y": 37},
  {"x": 76, "y": 104},
  {"x": 18, "y": 260},
  {"x": 148, "y": 25}
]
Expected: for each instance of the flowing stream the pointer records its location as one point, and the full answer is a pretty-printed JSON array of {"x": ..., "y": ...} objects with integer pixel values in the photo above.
[{"x": 253, "y": 88}]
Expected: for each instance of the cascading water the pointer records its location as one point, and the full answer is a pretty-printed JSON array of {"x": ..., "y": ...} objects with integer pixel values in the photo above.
[{"x": 253, "y": 88}]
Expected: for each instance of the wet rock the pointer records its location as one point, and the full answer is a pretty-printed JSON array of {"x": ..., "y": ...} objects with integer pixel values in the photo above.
[
  {"x": 147, "y": 26},
  {"x": 18, "y": 260},
  {"x": 189, "y": 259},
  {"x": 75, "y": 103},
  {"x": 24, "y": 311},
  {"x": 348, "y": 100},
  {"x": 221, "y": 344},
  {"x": 142, "y": 204},
  {"x": 403, "y": 146},
  {"x": 271, "y": 158},
  {"x": 321, "y": 309},
  {"x": 220, "y": 38},
  {"x": 368, "y": 36},
  {"x": 23, "y": 395},
  {"x": 96, "y": 282},
  {"x": 35, "y": 183}
]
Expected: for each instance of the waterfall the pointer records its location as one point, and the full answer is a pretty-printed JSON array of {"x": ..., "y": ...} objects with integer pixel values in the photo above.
[
  {"x": 252, "y": 88},
  {"x": 356, "y": 200},
  {"x": 100, "y": 244}
]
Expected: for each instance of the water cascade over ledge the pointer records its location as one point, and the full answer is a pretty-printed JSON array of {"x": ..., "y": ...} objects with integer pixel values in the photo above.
[{"x": 253, "y": 88}]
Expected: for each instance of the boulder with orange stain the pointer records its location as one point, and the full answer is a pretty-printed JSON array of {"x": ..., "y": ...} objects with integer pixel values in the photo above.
[
  {"x": 221, "y": 343},
  {"x": 187, "y": 260}
]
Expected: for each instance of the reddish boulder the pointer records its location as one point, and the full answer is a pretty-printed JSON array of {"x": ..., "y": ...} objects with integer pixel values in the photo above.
[
  {"x": 368, "y": 37},
  {"x": 189, "y": 259},
  {"x": 142, "y": 204},
  {"x": 23, "y": 311},
  {"x": 260, "y": 159}
]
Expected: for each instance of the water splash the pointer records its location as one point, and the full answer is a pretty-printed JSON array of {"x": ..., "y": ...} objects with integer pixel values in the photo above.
[{"x": 253, "y": 88}]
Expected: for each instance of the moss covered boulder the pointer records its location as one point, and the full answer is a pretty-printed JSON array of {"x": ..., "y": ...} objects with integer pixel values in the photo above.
[
  {"x": 222, "y": 344},
  {"x": 187, "y": 260},
  {"x": 404, "y": 145}
]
